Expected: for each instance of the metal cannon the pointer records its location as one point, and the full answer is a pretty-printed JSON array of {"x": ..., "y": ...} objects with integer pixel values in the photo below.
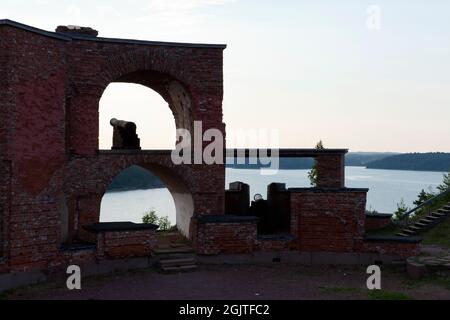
[{"x": 124, "y": 135}]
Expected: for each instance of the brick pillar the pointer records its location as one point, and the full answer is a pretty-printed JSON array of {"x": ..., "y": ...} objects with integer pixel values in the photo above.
[
  {"x": 329, "y": 220},
  {"x": 5, "y": 192},
  {"x": 88, "y": 212},
  {"x": 330, "y": 171}
]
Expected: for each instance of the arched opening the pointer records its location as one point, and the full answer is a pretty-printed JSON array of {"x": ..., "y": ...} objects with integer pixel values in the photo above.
[
  {"x": 157, "y": 104},
  {"x": 144, "y": 107},
  {"x": 144, "y": 188}
]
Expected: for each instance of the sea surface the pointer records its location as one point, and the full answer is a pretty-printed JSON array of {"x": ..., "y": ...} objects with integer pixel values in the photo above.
[{"x": 386, "y": 189}]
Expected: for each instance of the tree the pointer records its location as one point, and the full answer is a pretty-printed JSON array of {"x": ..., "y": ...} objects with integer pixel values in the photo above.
[
  {"x": 150, "y": 217},
  {"x": 445, "y": 185},
  {"x": 423, "y": 197},
  {"x": 163, "y": 222},
  {"x": 400, "y": 214},
  {"x": 312, "y": 174}
]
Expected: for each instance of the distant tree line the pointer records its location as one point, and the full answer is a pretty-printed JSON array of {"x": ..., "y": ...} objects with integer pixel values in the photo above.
[
  {"x": 436, "y": 161},
  {"x": 135, "y": 178}
]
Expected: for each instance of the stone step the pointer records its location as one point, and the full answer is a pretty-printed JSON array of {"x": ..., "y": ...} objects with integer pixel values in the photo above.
[
  {"x": 179, "y": 269},
  {"x": 443, "y": 211},
  {"x": 426, "y": 220},
  {"x": 409, "y": 231},
  {"x": 415, "y": 228},
  {"x": 439, "y": 214},
  {"x": 188, "y": 255},
  {"x": 172, "y": 244},
  {"x": 171, "y": 250},
  {"x": 431, "y": 217},
  {"x": 420, "y": 224},
  {"x": 176, "y": 262},
  {"x": 401, "y": 234}
]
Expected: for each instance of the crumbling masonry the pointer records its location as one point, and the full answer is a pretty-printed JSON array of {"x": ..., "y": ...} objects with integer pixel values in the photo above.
[{"x": 53, "y": 175}]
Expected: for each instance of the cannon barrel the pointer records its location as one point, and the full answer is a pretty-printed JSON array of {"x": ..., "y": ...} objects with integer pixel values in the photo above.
[{"x": 127, "y": 125}]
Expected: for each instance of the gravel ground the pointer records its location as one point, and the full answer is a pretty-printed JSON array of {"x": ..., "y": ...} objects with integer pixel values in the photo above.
[{"x": 244, "y": 282}]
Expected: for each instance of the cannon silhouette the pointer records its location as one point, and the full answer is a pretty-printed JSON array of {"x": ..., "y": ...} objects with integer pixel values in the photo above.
[{"x": 124, "y": 135}]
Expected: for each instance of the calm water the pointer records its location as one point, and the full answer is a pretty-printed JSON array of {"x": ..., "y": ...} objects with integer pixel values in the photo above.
[{"x": 386, "y": 189}]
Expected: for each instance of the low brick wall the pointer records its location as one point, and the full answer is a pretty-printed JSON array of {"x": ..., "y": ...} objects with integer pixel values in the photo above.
[
  {"x": 330, "y": 220},
  {"x": 401, "y": 246},
  {"x": 3, "y": 266},
  {"x": 118, "y": 240},
  {"x": 273, "y": 243},
  {"x": 377, "y": 221},
  {"x": 79, "y": 255},
  {"x": 123, "y": 244},
  {"x": 224, "y": 234}
]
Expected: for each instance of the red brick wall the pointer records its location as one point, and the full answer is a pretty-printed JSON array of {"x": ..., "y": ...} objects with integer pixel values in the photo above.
[
  {"x": 401, "y": 249},
  {"x": 277, "y": 245},
  {"x": 125, "y": 244},
  {"x": 330, "y": 171},
  {"x": 328, "y": 220},
  {"x": 5, "y": 189},
  {"x": 49, "y": 93},
  {"x": 377, "y": 222},
  {"x": 232, "y": 237},
  {"x": 33, "y": 131}
]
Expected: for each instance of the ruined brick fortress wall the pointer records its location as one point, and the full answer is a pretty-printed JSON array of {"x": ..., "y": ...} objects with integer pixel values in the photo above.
[{"x": 52, "y": 175}]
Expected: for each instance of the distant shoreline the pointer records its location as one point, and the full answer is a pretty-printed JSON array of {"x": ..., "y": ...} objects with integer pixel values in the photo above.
[
  {"x": 131, "y": 189},
  {"x": 293, "y": 169}
]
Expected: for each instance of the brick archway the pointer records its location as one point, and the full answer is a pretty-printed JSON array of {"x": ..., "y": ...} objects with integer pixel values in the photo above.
[
  {"x": 154, "y": 69},
  {"x": 102, "y": 170},
  {"x": 53, "y": 168}
]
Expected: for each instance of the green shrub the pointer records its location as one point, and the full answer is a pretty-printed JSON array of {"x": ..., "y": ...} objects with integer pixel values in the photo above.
[
  {"x": 423, "y": 197},
  {"x": 163, "y": 222},
  {"x": 400, "y": 214},
  {"x": 150, "y": 217},
  {"x": 312, "y": 174},
  {"x": 445, "y": 185}
]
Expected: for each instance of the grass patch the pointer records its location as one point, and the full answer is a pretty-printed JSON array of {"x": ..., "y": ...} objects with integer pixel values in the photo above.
[
  {"x": 438, "y": 235},
  {"x": 60, "y": 284},
  {"x": 433, "y": 279},
  {"x": 341, "y": 290},
  {"x": 387, "y": 295},
  {"x": 425, "y": 211},
  {"x": 31, "y": 289},
  {"x": 370, "y": 294}
]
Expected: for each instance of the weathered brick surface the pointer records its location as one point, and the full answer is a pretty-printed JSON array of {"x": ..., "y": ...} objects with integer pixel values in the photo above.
[
  {"x": 125, "y": 244},
  {"x": 377, "y": 222},
  {"x": 277, "y": 245},
  {"x": 330, "y": 171},
  {"x": 233, "y": 237},
  {"x": 328, "y": 220},
  {"x": 5, "y": 191},
  {"x": 52, "y": 176},
  {"x": 401, "y": 249}
]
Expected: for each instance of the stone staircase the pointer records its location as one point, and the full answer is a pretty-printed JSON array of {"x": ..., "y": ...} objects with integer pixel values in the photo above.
[
  {"x": 174, "y": 253},
  {"x": 427, "y": 222}
]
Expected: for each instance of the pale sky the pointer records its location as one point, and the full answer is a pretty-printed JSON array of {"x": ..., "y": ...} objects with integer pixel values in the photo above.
[{"x": 310, "y": 69}]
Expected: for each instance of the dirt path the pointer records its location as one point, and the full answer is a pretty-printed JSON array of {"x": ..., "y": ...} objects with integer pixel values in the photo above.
[{"x": 243, "y": 283}]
